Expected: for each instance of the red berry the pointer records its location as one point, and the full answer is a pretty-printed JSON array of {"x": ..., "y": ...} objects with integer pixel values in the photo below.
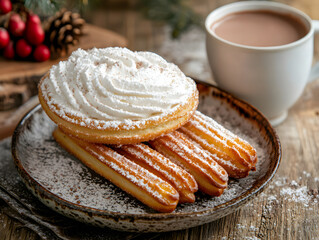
[
  {"x": 23, "y": 49},
  {"x": 15, "y": 17},
  {"x": 5, "y": 6},
  {"x": 16, "y": 25},
  {"x": 34, "y": 33},
  {"x": 34, "y": 19},
  {"x": 41, "y": 53},
  {"x": 8, "y": 51},
  {"x": 4, "y": 38}
]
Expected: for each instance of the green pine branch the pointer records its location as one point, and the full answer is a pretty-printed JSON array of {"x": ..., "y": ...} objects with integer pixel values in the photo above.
[
  {"x": 176, "y": 13},
  {"x": 43, "y": 7}
]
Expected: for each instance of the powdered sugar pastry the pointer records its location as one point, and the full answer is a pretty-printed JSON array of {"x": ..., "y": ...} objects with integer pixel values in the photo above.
[{"x": 115, "y": 85}]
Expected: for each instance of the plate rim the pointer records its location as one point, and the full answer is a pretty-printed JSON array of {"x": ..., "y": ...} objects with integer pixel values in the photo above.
[{"x": 245, "y": 196}]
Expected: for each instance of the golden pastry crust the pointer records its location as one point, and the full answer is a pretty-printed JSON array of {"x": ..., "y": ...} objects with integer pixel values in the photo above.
[
  {"x": 211, "y": 178},
  {"x": 121, "y": 134},
  {"x": 234, "y": 154},
  {"x": 156, "y": 163},
  {"x": 130, "y": 177}
]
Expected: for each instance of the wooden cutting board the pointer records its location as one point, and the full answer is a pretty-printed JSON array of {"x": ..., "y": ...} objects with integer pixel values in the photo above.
[{"x": 19, "y": 79}]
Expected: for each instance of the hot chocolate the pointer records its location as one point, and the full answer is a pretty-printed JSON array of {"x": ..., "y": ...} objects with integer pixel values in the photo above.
[{"x": 260, "y": 28}]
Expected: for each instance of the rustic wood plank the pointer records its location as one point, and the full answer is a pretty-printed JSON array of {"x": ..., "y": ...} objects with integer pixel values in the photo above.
[
  {"x": 271, "y": 215},
  {"x": 11, "y": 229}
]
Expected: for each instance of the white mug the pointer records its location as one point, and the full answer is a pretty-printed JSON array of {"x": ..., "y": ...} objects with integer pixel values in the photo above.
[{"x": 270, "y": 78}]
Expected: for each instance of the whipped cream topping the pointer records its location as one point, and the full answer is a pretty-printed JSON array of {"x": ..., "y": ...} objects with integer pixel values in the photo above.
[{"x": 115, "y": 85}]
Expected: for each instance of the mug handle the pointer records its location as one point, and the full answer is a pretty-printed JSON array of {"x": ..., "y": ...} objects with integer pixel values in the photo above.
[{"x": 314, "y": 73}]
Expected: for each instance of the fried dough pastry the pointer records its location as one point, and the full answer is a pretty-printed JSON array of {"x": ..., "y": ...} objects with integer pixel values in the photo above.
[
  {"x": 159, "y": 165},
  {"x": 116, "y": 96},
  {"x": 211, "y": 178},
  {"x": 234, "y": 154},
  {"x": 130, "y": 177}
]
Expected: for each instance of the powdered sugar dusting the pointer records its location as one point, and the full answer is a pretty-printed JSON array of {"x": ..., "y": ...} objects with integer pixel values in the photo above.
[
  {"x": 109, "y": 87},
  {"x": 292, "y": 191},
  {"x": 191, "y": 154},
  {"x": 174, "y": 174},
  {"x": 223, "y": 136},
  {"x": 133, "y": 172},
  {"x": 296, "y": 195},
  {"x": 283, "y": 189}
]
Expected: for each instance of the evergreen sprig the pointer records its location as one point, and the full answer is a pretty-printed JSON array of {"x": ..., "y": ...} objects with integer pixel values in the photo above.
[
  {"x": 43, "y": 7},
  {"x": 176, "y": 13}
]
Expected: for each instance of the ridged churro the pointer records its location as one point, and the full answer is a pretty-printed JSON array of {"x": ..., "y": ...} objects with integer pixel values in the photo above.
[
  {"x": 211, "y": 178},
  {"x": 234, "y": 154},
  {"x": 129, "y": 176},
  {"x": 156, "y": 163}
]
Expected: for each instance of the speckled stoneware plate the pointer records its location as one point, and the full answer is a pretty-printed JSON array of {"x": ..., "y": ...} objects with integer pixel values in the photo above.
[{"x": 64, "y": 184}]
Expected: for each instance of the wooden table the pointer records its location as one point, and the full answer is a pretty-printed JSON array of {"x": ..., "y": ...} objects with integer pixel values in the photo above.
[{"x": 288, "y": 208}]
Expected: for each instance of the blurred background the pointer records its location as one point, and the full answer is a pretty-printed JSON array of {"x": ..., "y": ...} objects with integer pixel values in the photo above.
[
  {"x": 35, "y": 34},
  {"x": 172, "y": 28}
]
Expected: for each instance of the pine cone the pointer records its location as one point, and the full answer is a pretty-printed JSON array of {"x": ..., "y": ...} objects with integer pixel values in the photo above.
[{"x": 62, "y": 30}]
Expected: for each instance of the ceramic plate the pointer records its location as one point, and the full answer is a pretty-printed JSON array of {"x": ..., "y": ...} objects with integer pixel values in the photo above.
[{"x": 64, "y": 184}]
